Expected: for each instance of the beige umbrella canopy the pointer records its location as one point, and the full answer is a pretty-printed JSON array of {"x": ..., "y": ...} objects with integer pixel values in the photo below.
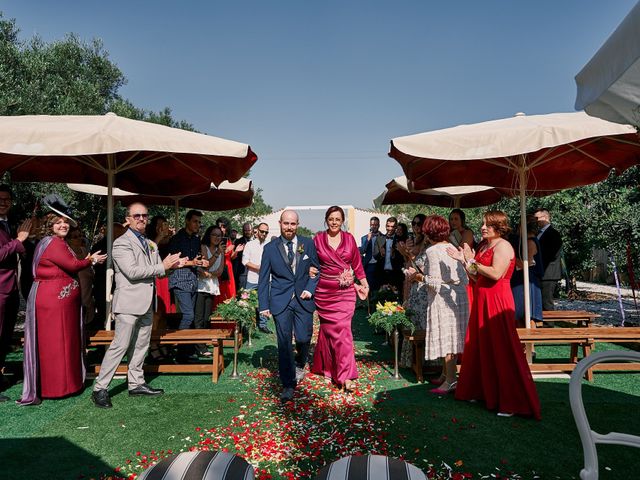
[
  {"x": 398, "y": 192},
  {"x": 109, "y": 150},
  {"x": 526, "y": 154}
]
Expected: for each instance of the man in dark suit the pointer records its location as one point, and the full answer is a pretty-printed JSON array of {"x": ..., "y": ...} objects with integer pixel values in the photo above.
[
  {"x": 389, "y": 260},
  {"x": 369, "y": 252},
  {"x": 551, "y": 246},
  {"x": 288, "y": 297},
  {"x": 9, "y": 297}
]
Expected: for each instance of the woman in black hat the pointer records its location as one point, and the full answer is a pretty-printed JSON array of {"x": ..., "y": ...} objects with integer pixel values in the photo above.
[{"x": 53, "y": 349}]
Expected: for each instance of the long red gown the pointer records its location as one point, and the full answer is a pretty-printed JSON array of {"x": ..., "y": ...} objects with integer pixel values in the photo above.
[
  {"x": 227, "y": 287},
  {"x": 334, "y": 356},
  {"x": 494, "y": 368},
  {"x": 60, "y": 349}
]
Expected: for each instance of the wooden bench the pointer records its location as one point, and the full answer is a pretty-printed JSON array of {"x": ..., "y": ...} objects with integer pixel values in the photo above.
[
  {"x": 581, "y": 318},
  {"x": 584, "y": 337},
  {"x": 417, "y": 339},
  {"x": 213, "y": 337}
]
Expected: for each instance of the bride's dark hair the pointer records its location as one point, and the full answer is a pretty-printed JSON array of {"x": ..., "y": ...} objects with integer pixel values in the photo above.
[{"x": 330, "y": 210}]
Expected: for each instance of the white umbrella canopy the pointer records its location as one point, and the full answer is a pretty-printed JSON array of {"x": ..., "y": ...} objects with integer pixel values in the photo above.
[
  {"x": 526, "y": 154},
  {"x": 609, "y": 85},
  {"x": 108, "y": 150},
  {"x": 398, "y": 191}
]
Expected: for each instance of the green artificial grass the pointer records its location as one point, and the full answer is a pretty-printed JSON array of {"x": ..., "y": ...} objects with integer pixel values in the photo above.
[{"x": 71, "y": 439}]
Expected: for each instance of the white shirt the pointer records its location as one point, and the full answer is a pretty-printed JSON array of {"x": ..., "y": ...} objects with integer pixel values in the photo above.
[{"x": 252, "y": 253}]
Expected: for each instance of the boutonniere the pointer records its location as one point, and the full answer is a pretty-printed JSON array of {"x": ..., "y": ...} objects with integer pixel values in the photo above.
[
  {"x": 152, "y": 246},
  {"x": 300, "y": 249}
]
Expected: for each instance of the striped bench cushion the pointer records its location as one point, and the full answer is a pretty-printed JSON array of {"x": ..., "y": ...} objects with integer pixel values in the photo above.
[
  {"x": 370, "y": 467},
  {"x": 206, "y": 465}
]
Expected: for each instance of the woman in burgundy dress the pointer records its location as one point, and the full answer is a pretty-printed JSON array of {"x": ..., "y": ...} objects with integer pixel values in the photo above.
[
  {"x": 494, "y": 367},
  {"x": 336, "y": 300},
  {"x": 53, "y": 352}
]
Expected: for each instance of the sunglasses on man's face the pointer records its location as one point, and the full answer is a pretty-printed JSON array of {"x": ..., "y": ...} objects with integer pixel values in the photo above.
[
  {"x": 138, "y": 216},
  {"x": 263, "y": 231}
]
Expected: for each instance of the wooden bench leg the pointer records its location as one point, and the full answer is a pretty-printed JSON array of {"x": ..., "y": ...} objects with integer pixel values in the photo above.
[
  {"x": 586, "y": 351},
  {"x": 573, "y": 356},
  {"x": 218, "y": 361}
]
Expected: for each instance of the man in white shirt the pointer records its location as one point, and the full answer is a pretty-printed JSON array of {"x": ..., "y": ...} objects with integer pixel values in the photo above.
[{"x": 251, "y": 258}]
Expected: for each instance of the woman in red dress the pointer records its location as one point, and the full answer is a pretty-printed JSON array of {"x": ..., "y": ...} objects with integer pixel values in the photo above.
[
  {"x": 53, "y": 354},
  {"x": 335, "y": 295},
  {"x": 494, "y": 368},
  {"x": 158, "y": 231},
  {"x": 226, "y": 281}
]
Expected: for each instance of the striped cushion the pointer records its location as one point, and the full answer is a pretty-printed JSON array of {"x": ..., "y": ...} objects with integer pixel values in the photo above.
[
  {"x": 200, "y": 466},
  {"x": 370, "y": 467}
]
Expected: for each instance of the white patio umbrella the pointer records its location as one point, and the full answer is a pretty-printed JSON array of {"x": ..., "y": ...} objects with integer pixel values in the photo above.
[
  {"x": 110, "y": 150},
  {"x": 398, "y": 191},
  {"x": 525, "y": 154},
  {"x": 609, "y": 85}
]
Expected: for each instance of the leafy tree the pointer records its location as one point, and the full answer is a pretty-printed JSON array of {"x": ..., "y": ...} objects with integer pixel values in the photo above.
[{"x": 73, "y": 77}]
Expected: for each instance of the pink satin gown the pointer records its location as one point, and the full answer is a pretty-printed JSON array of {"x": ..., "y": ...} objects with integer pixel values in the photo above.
[{"x": 334, "y": 356}]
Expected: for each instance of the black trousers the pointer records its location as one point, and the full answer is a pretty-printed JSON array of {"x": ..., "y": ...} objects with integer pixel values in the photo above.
[{"x": 9, "y": 304}]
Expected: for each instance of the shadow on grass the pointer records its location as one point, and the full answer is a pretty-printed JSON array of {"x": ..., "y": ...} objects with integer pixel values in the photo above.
[
  {"x": 440, "y": 428},
  {"x": 47, "y": 457}
]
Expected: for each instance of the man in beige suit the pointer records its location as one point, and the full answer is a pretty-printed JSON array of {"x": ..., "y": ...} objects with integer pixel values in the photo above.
[{"x": 137, "y": 263}]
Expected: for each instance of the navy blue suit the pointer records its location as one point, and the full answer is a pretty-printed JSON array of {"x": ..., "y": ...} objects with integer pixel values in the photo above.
[
  {"x": 369, "y": 250},
  {"x": 279, "y": 289}
]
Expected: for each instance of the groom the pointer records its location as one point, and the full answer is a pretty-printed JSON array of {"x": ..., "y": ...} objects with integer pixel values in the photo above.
[{"x": 286, "y": 261}]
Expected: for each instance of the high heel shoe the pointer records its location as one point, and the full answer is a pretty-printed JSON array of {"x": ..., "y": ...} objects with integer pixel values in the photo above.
[
  {"x": 445, "y": 388},
  {"x": 349, "y": 386},
  {"x": 438, "y": 380}
]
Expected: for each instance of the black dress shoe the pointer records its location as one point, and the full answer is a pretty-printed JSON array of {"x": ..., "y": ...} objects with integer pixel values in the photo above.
[
  {"x": 145, "y": 389},
  {"x": 286, "y": 395},
  {"x": 101, "y": 399},
  {"x": 265, "y": 329}
]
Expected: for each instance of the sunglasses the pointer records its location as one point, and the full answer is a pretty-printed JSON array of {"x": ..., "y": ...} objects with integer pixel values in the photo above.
[
  {"x": 263, "y": 231},
  {"x": 138, "y": 216}
]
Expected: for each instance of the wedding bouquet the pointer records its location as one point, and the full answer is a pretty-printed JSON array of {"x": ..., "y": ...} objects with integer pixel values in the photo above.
[{"x": 390, "y": 315}]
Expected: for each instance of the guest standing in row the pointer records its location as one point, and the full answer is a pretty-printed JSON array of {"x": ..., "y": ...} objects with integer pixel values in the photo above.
[
  {"x": 9, "y": 297},
  {"x": 447, "y": 312},
  {"x": 335, "y": 296},
  {"x": 551, "y": 246},
  {"x": 212, "y": 250},
  {"x": 251, "y": 258},
  {"x": 536, "y": 272},
  {"x": 369, "y": 252},
  {"x": 227, "y": 282},
  {"x": 137, "y": 263},
  {"x": 494, "y": 367},
  {"x": 53, "y": 347}
]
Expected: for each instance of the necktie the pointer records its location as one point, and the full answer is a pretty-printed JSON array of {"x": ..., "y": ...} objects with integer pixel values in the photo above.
[{"x": 290, "y": 252}]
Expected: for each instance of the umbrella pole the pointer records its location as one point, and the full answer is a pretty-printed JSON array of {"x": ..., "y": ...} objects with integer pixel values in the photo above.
[
  {"x": 110, "y": 181},
  {"x": 525, "y": 252}
]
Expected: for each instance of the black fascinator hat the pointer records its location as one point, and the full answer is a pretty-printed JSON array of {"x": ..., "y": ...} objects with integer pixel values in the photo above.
[{"x": 56, "y": 203}]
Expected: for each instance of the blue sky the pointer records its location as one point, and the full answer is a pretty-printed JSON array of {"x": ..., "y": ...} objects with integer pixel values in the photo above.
[{"x": 319, "y": 88}]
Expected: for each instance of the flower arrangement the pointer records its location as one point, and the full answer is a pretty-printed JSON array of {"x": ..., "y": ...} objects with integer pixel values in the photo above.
[
  {"x": 300, "y": 249},
  {"x": 390, "y": 315},
  {"x": 241, "y": 310}
]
